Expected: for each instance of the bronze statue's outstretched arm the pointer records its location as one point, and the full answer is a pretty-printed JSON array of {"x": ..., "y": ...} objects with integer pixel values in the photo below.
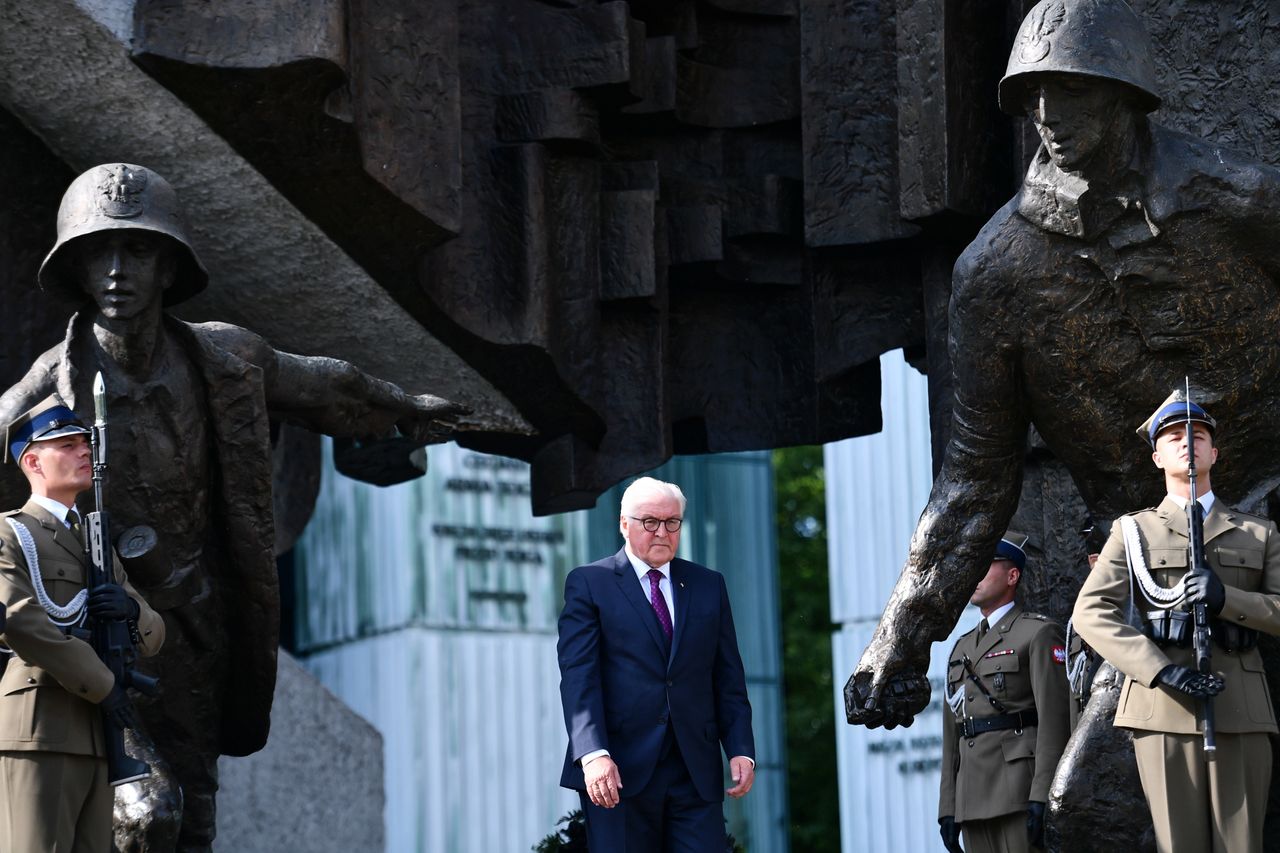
[
  {"x": 973, "y": 498},
  {"x": 335, "y": 397}
]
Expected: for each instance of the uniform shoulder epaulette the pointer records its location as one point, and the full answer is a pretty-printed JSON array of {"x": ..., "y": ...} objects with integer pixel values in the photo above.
[
  {"x": 1039, "y": 616},
  {"x": 1140, "y": 511}
]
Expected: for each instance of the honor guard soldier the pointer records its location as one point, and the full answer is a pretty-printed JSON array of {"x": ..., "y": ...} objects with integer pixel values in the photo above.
[
  {"x": 55, "y": 689},
  {"x": 1008, "y": 722},
  {"x": 1199, "y": 801}
]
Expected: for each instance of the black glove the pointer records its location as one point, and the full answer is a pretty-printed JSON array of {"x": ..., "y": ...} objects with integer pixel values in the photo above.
[
  {"x": 1035, "y": 823},
  {"x": 1203, "y": 585},
  {"x": 950, "y": 831},
  {"x": 110, "y": 601},
  {"x": 1196, "y": 684},
  {"x": 119, "y": 709}
]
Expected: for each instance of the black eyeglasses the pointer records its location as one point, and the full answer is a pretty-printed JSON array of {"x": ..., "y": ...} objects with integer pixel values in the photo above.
[{"x": 651, "y": 524}]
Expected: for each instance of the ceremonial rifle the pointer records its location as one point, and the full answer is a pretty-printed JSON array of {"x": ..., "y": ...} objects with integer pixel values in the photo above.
[
  {"x": 1201, "y": 636},
  {"x": 112, "y": 639}
]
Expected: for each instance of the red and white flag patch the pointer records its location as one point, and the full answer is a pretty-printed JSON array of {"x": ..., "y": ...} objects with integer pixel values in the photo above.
[{"x": 1059, "y": 654}]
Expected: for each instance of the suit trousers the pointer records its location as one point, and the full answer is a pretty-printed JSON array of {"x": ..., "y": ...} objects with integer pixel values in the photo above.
[
  {"x": 1197, "y": 805},
  {"x": 53, "y": 802},
  {"x": 1004, "y": 834},
  {"x": 666, "y": 816}
]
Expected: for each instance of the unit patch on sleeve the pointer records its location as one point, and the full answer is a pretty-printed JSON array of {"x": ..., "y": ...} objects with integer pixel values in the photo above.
[{"x": 1060, "y": 654}]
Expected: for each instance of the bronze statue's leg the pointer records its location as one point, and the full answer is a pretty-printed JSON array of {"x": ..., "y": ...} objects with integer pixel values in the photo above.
[
  {"x": 1096, "y": 803},
  {"x": 184, "y": 723},
  {"x": 147, "y": 813}
]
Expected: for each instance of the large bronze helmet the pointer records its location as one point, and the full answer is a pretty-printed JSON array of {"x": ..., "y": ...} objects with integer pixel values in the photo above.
[
  {"x": 1092, "y": 38},
  {"x": 121, "y": 196}
]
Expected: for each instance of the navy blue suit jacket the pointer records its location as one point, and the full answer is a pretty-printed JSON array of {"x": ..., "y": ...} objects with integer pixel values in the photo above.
[{"x": 618, "y": 687}]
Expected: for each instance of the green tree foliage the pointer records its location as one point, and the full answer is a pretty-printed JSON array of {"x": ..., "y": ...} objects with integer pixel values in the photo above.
[{"x": 806, "y": 650}]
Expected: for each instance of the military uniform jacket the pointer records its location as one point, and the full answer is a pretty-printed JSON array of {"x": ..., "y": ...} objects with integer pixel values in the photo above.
[
  {"x": 996, "y": 773},
  {"x": 50, "y": 688},
  {"x": 1244, "y": 551}
]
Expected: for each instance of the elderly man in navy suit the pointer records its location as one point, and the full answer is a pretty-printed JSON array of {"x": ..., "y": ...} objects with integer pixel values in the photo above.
[{"x": 652, "y": 686}]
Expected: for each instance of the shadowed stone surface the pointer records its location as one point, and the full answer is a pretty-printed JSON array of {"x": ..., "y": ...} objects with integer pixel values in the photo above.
[{"x": 318, "y": 785}]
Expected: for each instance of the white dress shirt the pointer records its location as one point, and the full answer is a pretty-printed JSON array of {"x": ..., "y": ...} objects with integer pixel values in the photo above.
[
  {"x": 1205, "y": 500},
  {"x": 56, "y": 509},
  {"x": 664, "y": 586},
  {"x": 998, "y": 614}
]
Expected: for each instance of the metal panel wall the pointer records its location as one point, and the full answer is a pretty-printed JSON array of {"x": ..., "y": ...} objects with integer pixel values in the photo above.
[
  {"x": 458, "y": 548},
  {"x": 473, "y": 730},
  {"x": 876, "y": 488}
]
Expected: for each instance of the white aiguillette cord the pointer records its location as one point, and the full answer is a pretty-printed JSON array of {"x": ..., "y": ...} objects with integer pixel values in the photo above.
[
  {"x": 60, "y": 615},
  {"x": 1133, "y": 552}
]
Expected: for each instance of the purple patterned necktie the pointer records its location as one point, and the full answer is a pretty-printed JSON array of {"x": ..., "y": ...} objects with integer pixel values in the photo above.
[{"x": 659, "y": 603}]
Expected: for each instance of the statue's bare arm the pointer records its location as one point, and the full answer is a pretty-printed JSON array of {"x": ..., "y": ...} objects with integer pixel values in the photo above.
[
  {"x": 973, "y": 497},
  {"x": 335, "y": 397}
]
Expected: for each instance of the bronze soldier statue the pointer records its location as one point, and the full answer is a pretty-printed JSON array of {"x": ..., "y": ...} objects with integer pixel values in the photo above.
[
  {"x": 1007, "y": 723},
  {"x": 1131, "y": 257},
  {"x": 194, "y": 404}
]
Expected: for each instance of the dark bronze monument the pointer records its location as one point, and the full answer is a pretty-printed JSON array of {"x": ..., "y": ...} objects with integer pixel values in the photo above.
[{"x": 657, "y": 228}]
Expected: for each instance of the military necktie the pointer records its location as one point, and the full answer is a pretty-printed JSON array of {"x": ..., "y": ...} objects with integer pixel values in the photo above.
[
  {"x": 660, "y": 603},
  {"x": 983, "y": 627},
  {"x": 73, "y": 521}
]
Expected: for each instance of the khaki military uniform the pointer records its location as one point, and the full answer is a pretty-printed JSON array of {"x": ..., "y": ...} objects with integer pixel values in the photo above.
[
  {"x": 1196, "y": 805},
  {"x": 988, "y": 779},
  {"x": 53, "y": 778}
]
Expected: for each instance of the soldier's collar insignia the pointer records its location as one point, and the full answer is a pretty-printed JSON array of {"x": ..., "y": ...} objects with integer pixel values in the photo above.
[{"x": 120, "y": 191}]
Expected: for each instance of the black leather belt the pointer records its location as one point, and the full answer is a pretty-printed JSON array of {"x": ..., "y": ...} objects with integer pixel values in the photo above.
[{"x": 972, "y": 726}]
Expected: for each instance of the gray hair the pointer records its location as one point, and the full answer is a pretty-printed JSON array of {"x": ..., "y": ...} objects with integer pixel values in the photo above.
[{"x": 644, "y": 487}]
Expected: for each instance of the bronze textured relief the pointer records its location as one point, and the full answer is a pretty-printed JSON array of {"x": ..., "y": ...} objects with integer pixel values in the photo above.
[{"x": 694, "y": 226}]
